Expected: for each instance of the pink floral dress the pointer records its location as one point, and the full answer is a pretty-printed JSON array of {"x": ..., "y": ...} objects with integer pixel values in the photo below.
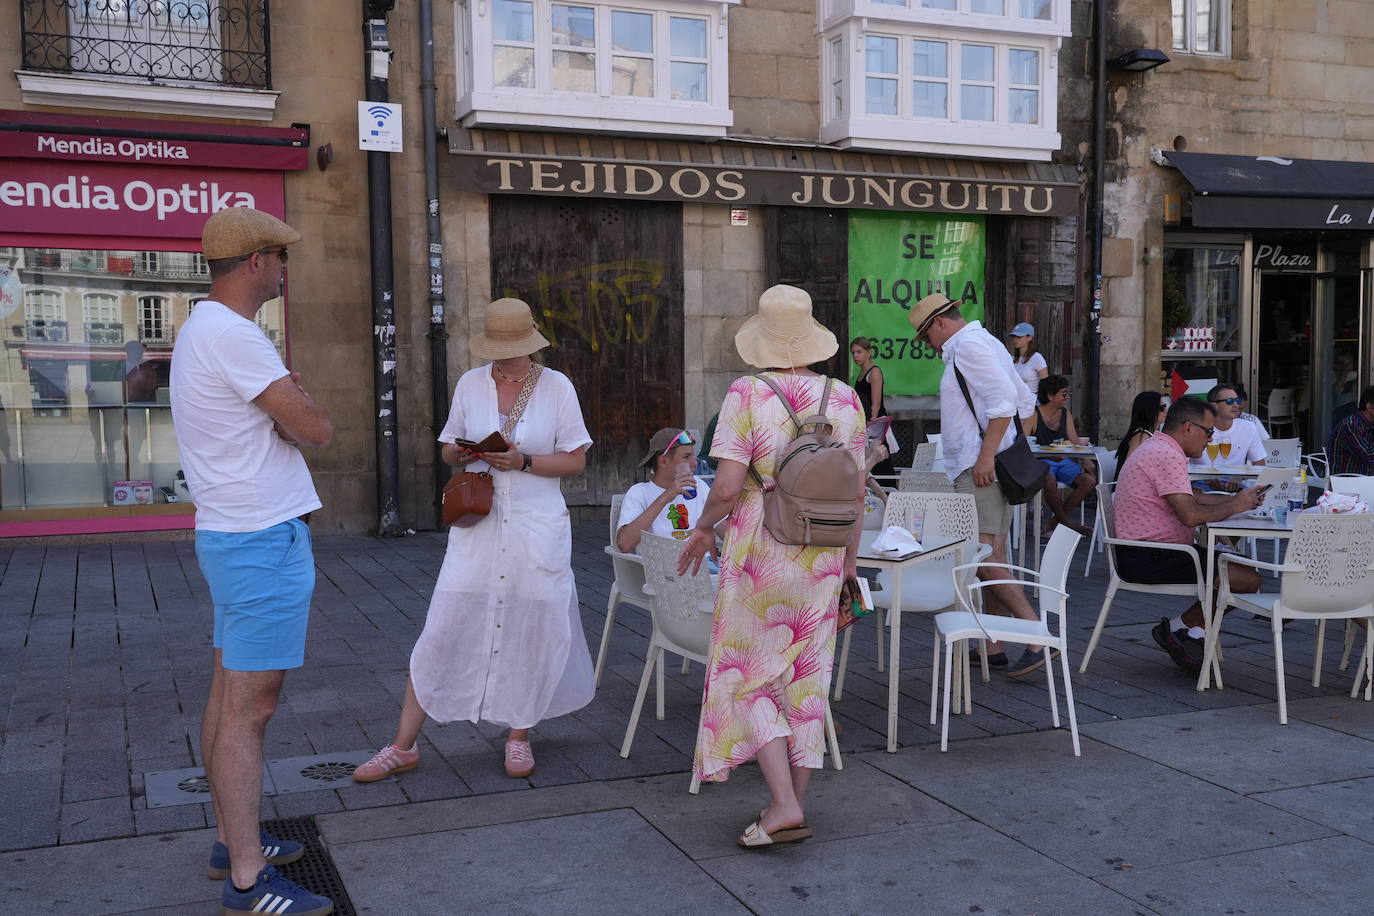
[{"x": 773, "y": 638}]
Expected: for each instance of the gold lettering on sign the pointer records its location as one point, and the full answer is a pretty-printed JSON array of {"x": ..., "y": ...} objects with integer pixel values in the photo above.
[
  {"x": 804, "y": 195},
  {"x": 1006, "y": 190},
  {"x": 829, "y": 197},
  {"x": 886, "y": 192},
  {"x": 542, "y": 169},
  {"x": 947, "y": 203},
  {"x": 1030, "y": 202},
  {"x": 632, "y": 174},
  {"x": 616, "y": 302},
  {"x": 587, "y": 184},
  {"x": 505, "y": 165},
  {"x": 731, "y": 181},
  {"x": 703, "y": 183},
  {"x": 921, "y": 201}
]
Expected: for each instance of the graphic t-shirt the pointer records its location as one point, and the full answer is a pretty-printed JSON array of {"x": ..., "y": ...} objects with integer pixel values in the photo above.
[{"x": 676, "y": 520}]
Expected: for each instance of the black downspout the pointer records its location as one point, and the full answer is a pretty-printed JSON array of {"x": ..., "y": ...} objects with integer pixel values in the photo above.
[
  {"x": 383, "y": 317},
  {"x": 1093, "y": 393},
  {"x": 438, "y": 333}
]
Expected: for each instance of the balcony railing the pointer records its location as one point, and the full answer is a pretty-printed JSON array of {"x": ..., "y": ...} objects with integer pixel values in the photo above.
[{"x": 208, "y": 41}]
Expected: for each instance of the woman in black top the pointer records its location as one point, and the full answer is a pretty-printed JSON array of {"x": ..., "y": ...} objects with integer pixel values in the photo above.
[
  {"x": 1052, "y": 422},
  {"x": 1147, "y": 413},
  {"x": 869, "y": 387}
]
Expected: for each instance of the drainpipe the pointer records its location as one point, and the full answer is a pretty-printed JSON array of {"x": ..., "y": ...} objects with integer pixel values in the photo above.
[
  {"x": 383, "y": 311},
  {"x": 1093, "y": 363},
  {"x": 438, "y": 333}
]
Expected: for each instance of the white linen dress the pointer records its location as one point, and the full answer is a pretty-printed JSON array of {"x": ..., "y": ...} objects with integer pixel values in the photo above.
[{"x": 503, "y": 639}]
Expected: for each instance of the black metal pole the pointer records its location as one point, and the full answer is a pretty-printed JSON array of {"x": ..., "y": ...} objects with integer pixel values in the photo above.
[
  {"x": 383, "y": 317},
  {"x": 1093, "y": 363},
  {"x": 438, "y": 333}
]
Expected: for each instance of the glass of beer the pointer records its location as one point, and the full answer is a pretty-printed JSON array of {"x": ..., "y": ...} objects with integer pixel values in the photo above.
[
  {"x": 1225, "y": 450},
  {"x": 1212, "y": 449}
]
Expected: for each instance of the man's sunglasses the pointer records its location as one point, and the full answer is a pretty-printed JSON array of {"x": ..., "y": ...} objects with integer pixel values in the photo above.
[
  {"x": 1231, "y": 401},
  {"x": 682, "y": 439},
  {"x": 1209, "y": 430},
  {"x": 279, "y": 252}
]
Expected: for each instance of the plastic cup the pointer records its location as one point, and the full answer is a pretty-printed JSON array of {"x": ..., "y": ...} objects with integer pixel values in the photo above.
[{"x": 1281, "y": 516}]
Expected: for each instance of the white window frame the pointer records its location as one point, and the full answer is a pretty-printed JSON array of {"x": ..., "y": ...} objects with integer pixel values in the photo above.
[
  {"x": 834, "y": 12},
  {"x": 154, "y": 319},
  {"x": 48, "y": 307},
  {"x": 951, "y": 135},
  {"x": 101, "y": 312},
  {"x": 481, "y": 103},
  {"x": 1187, "y": 43}
]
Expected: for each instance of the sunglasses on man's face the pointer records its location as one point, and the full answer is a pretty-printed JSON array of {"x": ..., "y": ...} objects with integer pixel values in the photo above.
[
  {"x": 279, "y": 252},
  {"x": 1231, "y": 401},
  {"x": 1209, "y": 430}
]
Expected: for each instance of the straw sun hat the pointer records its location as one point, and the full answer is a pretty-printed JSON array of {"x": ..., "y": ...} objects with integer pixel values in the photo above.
[
  {"x": 783, "y": 335},
  {"x": 509, "y": 332}
]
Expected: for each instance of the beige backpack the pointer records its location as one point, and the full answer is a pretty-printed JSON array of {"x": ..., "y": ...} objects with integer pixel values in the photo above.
[{"x": 815, "y": 498}]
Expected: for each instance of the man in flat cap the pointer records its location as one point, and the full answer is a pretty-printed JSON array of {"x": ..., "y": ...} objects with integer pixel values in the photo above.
[{"x": 240, "y": 417}]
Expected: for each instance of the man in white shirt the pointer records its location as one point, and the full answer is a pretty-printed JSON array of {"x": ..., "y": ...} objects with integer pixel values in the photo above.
[
  {"x": 661, "y": 505},
  {"x": 999, "y": 398},
  {"x": 1246, "y": 447},
  {"x": 240, "y": 417}
]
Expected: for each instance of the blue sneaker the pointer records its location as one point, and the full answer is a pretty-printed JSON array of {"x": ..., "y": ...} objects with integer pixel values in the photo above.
[
  {"x": 275, "y": 851},
  {"x": 274, "y": 894}
]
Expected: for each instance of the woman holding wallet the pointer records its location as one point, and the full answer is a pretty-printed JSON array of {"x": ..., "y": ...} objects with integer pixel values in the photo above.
[{"x": 503, "y": 639}]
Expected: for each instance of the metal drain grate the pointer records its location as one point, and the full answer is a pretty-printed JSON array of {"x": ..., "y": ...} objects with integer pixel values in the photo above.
[
  {"x": 199, "y": 785},
  {"x": 316, "y": 771},
  {"x": 315, "y": 870},
  {"x": 329, "y": 771}
]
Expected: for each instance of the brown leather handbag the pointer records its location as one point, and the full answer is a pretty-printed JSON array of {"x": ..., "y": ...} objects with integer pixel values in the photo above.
[{"x": 468, "y": 494}]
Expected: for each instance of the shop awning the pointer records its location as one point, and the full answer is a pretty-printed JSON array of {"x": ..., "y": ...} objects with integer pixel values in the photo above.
[
  {"x": 1271, "y": 192},
  {"x": 739, "y": 173}
]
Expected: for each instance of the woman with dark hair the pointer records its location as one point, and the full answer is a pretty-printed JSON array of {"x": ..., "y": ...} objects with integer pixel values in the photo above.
[
  {"x": 1029, "y": 364},
  {"x": 1147, "y": 414},
  {"x": 1052, "y": 422},
  {"x": 869, "y": 387}
]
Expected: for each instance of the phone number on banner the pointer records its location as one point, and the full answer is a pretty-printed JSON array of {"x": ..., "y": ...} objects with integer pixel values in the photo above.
[{"x": 902, "y": 348}]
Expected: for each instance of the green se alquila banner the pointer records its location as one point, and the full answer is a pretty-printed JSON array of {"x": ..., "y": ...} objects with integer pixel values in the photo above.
[{"x": 897, "y": 259}]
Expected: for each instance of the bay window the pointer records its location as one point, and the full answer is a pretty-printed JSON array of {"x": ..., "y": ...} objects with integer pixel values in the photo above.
[{"x": 651, "y": 66}]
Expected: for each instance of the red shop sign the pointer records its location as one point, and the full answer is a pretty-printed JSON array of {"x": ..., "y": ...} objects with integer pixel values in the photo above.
[{"x": 96, "y": 198}]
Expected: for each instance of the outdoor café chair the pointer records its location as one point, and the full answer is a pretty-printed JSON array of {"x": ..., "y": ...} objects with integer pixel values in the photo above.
[
  {"x": 682, "y": 607},
  {"x": 954, "y": 628},
  {"x": 1328, "y": 573},
  {"x": 628, "y": 586},
  {"x": 1115, "y": 583},
  {"x": 913, "y": 481}
]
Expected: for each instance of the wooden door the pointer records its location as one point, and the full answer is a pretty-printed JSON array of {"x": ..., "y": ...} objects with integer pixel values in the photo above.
[
  {"x": 808, "y": 247},
  {"x": 604, "y": 280}
]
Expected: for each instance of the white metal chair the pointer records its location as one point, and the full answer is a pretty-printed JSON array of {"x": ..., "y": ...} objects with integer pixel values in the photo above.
[
  {"x": 1106, "y": 466},
  {"x": 682, "y": 612},
  {"x": 1318, "y": 468},
  {"x": 924, "y": 457},
  {"x": 1356, "y": 484},
  {"x": 926, "y": 588},
  {"x": 1277, "y": 410},
  {"x": 1105, "y": 495},
  {"x": 1328, "y": 574},
  {"x": 1282, "y": 453},
  {"x": 953, "y": 628},
  {"x": 913, "y": 481},
  {"x": 627, "y": 588}
]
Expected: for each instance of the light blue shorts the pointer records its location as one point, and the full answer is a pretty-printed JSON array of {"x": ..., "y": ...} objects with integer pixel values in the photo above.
[
  {"x": 261, "y": 583},
  {"x": 1065, "y": 470}
]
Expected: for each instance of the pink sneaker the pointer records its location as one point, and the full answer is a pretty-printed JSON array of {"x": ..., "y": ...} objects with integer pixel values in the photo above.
[
  {"x": 390, "y": 759},
  {"x": 519, "y": 759}
]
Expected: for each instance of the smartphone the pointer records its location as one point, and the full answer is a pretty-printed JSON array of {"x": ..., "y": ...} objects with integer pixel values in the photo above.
[{"x": 1264, "y": 489}]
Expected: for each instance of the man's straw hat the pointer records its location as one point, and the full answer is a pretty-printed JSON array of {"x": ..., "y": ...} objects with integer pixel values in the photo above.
[
  {"x": 237, "y": 231},
  {"x": 783, "y": 335},
  {"x": 927, "y": 309},
  {"x": 509, "y": 332}
]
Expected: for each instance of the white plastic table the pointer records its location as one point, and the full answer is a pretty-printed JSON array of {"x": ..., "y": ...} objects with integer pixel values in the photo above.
[
  {"x": 1237, "y": 526},
  {"x": 935, "y": 547},
  {"x": 1054, "y": 453}
]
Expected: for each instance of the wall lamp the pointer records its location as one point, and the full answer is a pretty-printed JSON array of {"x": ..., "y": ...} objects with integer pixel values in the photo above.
[{"x": 1138, "y": 60}]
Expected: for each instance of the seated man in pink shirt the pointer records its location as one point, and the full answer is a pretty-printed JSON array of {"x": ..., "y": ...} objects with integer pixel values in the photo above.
[{"x": 1155, "y": 501}]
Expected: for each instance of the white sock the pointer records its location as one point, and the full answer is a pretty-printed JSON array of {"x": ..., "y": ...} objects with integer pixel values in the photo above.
[
  {"x": 1197, "y": 632},
  {"x": 1177, "y": 624}
]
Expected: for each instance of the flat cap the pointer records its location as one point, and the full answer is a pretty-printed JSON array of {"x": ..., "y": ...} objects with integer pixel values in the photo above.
[{"x": 237, "y": 231}]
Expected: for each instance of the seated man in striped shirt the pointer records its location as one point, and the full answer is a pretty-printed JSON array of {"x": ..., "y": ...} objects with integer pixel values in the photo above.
[{"x": 1350, "y": 450}]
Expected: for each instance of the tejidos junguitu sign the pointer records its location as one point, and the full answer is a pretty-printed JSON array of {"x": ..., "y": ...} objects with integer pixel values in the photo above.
[{"x": 895, "y": 259}]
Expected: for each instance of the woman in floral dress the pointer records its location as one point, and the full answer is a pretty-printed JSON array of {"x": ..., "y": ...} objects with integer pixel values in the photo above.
[{"x": 773, "y": 638}]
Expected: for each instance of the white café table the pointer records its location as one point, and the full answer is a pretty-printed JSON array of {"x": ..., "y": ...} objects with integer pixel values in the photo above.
[
  {"x": 1052, "y": 453},
  {"x": 1207, "y": 472},
  {"x": 935, "y": 548},
  {"x": 1237, "y": 526}
]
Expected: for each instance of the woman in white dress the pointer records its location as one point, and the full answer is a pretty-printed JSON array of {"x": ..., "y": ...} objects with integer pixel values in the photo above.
[{"x": 503, "y": 639}]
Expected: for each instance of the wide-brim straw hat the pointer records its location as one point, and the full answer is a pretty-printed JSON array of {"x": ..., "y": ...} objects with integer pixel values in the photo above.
[
  {"x": 509, "y": 332},
  {"x": 784, "y": 335},
  {"x": 925, "y": 310}
]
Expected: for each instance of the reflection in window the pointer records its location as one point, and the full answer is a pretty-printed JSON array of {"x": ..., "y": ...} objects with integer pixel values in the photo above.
[
  {"x": 100, "y": 313},
  {"x": 880, "y": 57},
  {"x": 977, "y": 73},
  {"x": 44, "y": 316}
]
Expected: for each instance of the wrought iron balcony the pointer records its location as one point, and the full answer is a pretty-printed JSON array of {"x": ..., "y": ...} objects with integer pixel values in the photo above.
[{"x": 208, "y": 41}]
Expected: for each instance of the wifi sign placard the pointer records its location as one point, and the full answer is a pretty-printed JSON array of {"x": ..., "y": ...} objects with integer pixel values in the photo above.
[{"x": 379, "y": 127}]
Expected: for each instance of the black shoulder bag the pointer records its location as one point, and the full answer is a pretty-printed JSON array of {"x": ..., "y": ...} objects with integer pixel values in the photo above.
[{"x": 1019, "y": 473}]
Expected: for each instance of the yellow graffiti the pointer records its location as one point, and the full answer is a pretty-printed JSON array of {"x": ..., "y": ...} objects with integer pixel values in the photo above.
[{"x": 603, "y": 304}]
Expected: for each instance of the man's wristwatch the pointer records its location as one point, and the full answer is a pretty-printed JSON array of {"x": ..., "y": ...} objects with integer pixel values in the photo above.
[{"x": 529, "y": 463}]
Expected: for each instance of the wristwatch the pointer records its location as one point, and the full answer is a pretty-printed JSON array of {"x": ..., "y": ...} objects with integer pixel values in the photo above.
[{"x": 529, "y": 463}]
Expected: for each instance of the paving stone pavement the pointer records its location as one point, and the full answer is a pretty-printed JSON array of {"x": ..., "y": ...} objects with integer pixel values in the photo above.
[{"x": 1181, "y": 800}]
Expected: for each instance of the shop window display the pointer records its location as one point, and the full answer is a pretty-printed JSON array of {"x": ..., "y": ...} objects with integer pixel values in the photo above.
[{"x": 85, "y": 413}]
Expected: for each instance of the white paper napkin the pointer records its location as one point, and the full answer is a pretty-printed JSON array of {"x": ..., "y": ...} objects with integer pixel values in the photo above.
[
  {"x": 896, "y": 539},
  {"x": 1343, "y": 503}
]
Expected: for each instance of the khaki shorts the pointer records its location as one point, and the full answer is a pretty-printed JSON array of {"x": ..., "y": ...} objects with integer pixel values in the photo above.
[{"x": 994, "y": 512}]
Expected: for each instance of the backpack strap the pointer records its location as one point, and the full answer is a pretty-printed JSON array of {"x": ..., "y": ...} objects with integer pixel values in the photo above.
[{"x": 825, "y": 400}]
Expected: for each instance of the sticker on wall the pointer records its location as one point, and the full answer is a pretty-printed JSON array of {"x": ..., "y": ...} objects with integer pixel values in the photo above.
[
  {"x": 896, "y": 260},
  {"x": 132, "y": 493},
  {"x": 11, "y": 291},
  {"x": 379, "y": 127},
  {"x": 739, "y": 216}
]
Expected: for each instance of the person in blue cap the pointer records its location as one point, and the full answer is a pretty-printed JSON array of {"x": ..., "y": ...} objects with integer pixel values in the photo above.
[{"x": 1028, "y": 362}]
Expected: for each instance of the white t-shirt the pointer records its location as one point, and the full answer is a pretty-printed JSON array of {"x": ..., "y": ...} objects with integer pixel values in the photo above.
[
  {"x": 676, "y": 520},
  {"x": 241, "y": 474},
  {"x": 1029, "y": 371},
  {"x": 1246, "y": 445}
]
